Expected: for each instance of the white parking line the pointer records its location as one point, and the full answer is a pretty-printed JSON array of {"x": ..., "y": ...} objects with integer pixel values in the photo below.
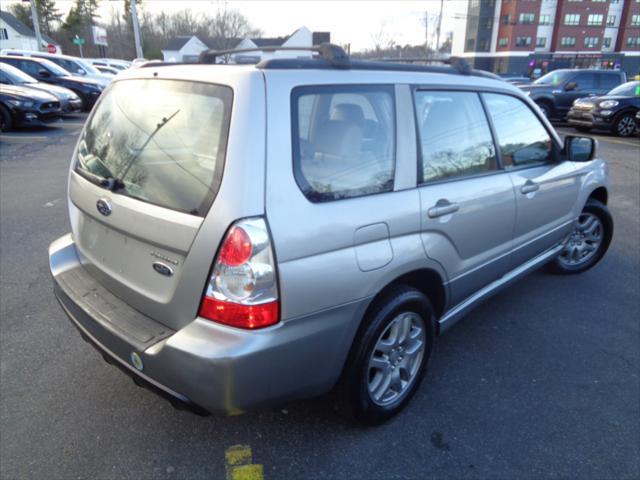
[
  {"x": 601, "y": 138},
  {"x": 22, "y": 137}
]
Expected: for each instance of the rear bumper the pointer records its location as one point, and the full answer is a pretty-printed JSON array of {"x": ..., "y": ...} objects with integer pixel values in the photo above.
[{"x": 206, "y": 367}]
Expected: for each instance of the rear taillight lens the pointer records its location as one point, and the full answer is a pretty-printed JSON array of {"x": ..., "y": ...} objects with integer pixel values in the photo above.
[{"x": 243, "y": 290}]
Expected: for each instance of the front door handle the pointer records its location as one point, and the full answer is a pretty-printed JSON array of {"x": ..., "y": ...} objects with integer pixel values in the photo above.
[
  {"x": 529, "y": 187},
  {"x": 442, "y": 208}
]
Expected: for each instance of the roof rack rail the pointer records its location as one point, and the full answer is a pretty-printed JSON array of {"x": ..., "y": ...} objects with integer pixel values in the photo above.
[
  {"x": 457, "y": 63},
  {"x": 454, "y": 66},
  {"x": 330, "y": 56},
  {"x": 329, "y": 52}
]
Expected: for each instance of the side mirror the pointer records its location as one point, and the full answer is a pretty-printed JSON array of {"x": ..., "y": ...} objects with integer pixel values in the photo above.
[
  {"x": 570, "y": 86},
  {"x": 81, "y": 72},
  {"x": 43, "y": 73},
  {"x": 580, "y": 149}
]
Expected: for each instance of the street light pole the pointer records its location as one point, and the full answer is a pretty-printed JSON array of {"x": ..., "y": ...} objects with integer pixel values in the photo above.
[
  {"x": 36, "y": 24},
  {"x": 136, "y": 28}
]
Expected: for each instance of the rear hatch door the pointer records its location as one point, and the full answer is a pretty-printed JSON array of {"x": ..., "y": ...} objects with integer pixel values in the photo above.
[{"x": 147, "y": 170}]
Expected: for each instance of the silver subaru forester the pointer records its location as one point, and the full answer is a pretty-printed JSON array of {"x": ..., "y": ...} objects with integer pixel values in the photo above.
[{"x": 243, "y": 235}]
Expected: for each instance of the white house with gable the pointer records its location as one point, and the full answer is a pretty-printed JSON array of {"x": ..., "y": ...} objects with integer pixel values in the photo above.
[
  {"x": 188, "y": 48},
  {"x": 183, "y": 49},
  {"x": 15, "y": 35}
]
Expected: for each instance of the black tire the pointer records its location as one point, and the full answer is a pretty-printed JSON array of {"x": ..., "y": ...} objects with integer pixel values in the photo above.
[
  {"x": 624, "y": 126},
  {"x": 353, "y": 389},
  {"x": 6, "y": 123},
  {"x": 599, "y": 210},
  {"x": 546, "y": 109}
]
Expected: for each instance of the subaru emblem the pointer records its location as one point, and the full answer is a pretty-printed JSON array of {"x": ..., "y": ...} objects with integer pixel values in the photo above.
[
  {"x": 104, "y": 206},
  {"x": 163, "y": 269},
  {"x": 136, "y": 361}
]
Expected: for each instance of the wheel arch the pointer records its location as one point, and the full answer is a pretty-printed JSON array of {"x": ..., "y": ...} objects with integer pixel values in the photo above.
[
  {"x": 629, "y": 109},
  {"x": 600, "y": 194},
  {"x": 548, "y": 101},
  {"x": 426, "y": 280}
]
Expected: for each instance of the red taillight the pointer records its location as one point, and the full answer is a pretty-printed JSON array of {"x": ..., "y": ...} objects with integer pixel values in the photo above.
[
  {"x": 242, "y": 316},
  {"x": 236, "y": 249},
  {"x": 243, "y": 290}
]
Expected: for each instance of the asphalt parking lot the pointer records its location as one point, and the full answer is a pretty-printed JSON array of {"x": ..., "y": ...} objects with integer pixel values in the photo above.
[{"x": 540, "y": 381}]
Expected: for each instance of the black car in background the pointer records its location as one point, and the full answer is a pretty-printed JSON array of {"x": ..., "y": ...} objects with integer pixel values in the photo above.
[
  {"x": 20, "y": 106},
  {"x": 556, "y": 91},
  {"x": 45, "y": 71},
  {"x": 616, "y": 111},
  {"x": 638, "y": 123},
  {"x": 69, "y": 101}
]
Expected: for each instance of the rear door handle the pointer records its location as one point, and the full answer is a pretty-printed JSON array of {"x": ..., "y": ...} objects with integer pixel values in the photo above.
[
  {"x": 529, "y": 187},
  {"x": 442, "y": 208}
]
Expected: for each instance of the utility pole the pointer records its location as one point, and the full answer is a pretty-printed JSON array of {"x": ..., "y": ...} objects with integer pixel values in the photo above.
[
  {"x": 36, "y": 24},
  {"x": 136, "y": 29},
  {"x": 438, "y": 28},
  {"x": 426, "y": 33}
]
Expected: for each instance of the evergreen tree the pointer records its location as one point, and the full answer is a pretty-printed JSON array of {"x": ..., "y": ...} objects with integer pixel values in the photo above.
[
  {"x": 47, "y": 14},
  {"x": 80, "y": 17},
  {"x": 22, "y": 12}
]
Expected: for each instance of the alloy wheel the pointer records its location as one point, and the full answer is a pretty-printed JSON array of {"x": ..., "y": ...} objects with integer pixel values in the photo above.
[
  {"x": 626, "y": 126},
  {"x": 396, "y": 358},
  {"x": 583, "y": 242}
]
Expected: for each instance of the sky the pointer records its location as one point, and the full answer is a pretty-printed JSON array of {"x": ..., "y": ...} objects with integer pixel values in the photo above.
[{"x": 349, "y": 21}]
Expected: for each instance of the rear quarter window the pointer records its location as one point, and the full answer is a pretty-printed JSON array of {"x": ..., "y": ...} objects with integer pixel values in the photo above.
[
  {"x": 163, "y": 141},
  {"x": 343, "y": 140}
]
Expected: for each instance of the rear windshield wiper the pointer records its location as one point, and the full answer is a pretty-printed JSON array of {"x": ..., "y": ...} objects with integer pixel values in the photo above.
[{"x": 110, "y": 182}]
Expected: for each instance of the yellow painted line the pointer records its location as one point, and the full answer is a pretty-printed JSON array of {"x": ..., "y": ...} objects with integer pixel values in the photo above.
[
  {"x": 239, "y": 464},
  {"x": 247, "y": 472}
]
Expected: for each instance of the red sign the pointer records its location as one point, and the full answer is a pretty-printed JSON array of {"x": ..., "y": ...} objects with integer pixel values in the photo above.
[{"x": 51, "y": 48}]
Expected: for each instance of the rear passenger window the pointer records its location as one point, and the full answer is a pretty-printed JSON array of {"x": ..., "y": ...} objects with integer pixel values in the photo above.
[
  {"x": 521, "y": 137},
  {"x": 455, "y": 138},
  {"x": 343, "y": 140},
  {"x": 584, "y": 81},
  {"x": 608, "y": 81}
]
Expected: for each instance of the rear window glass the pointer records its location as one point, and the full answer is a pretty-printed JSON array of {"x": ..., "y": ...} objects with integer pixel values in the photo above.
[
  {"x": 343, "y": 140},
  {"x": 160, "y": 141}
]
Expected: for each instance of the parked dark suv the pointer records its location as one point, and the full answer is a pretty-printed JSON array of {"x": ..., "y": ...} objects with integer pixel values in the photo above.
[
  {"x": 556, "y": 91},
  {"x": 614, "y": 111}
]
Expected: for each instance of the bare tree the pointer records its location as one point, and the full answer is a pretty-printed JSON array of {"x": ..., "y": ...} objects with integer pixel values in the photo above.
[
  {"x": 381, "y": 39},
  {"x": 228, "y": 27}
]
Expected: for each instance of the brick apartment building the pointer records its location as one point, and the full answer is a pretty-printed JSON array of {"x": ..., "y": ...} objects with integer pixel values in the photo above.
[{"x": 520, "y": 36}]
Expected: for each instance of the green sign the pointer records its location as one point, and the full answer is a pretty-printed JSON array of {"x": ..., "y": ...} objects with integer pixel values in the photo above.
[{"x": 78, "y": 41}]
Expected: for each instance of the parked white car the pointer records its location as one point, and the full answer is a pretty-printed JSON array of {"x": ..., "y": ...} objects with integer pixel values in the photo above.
[{"x": 111, "y": 63}]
